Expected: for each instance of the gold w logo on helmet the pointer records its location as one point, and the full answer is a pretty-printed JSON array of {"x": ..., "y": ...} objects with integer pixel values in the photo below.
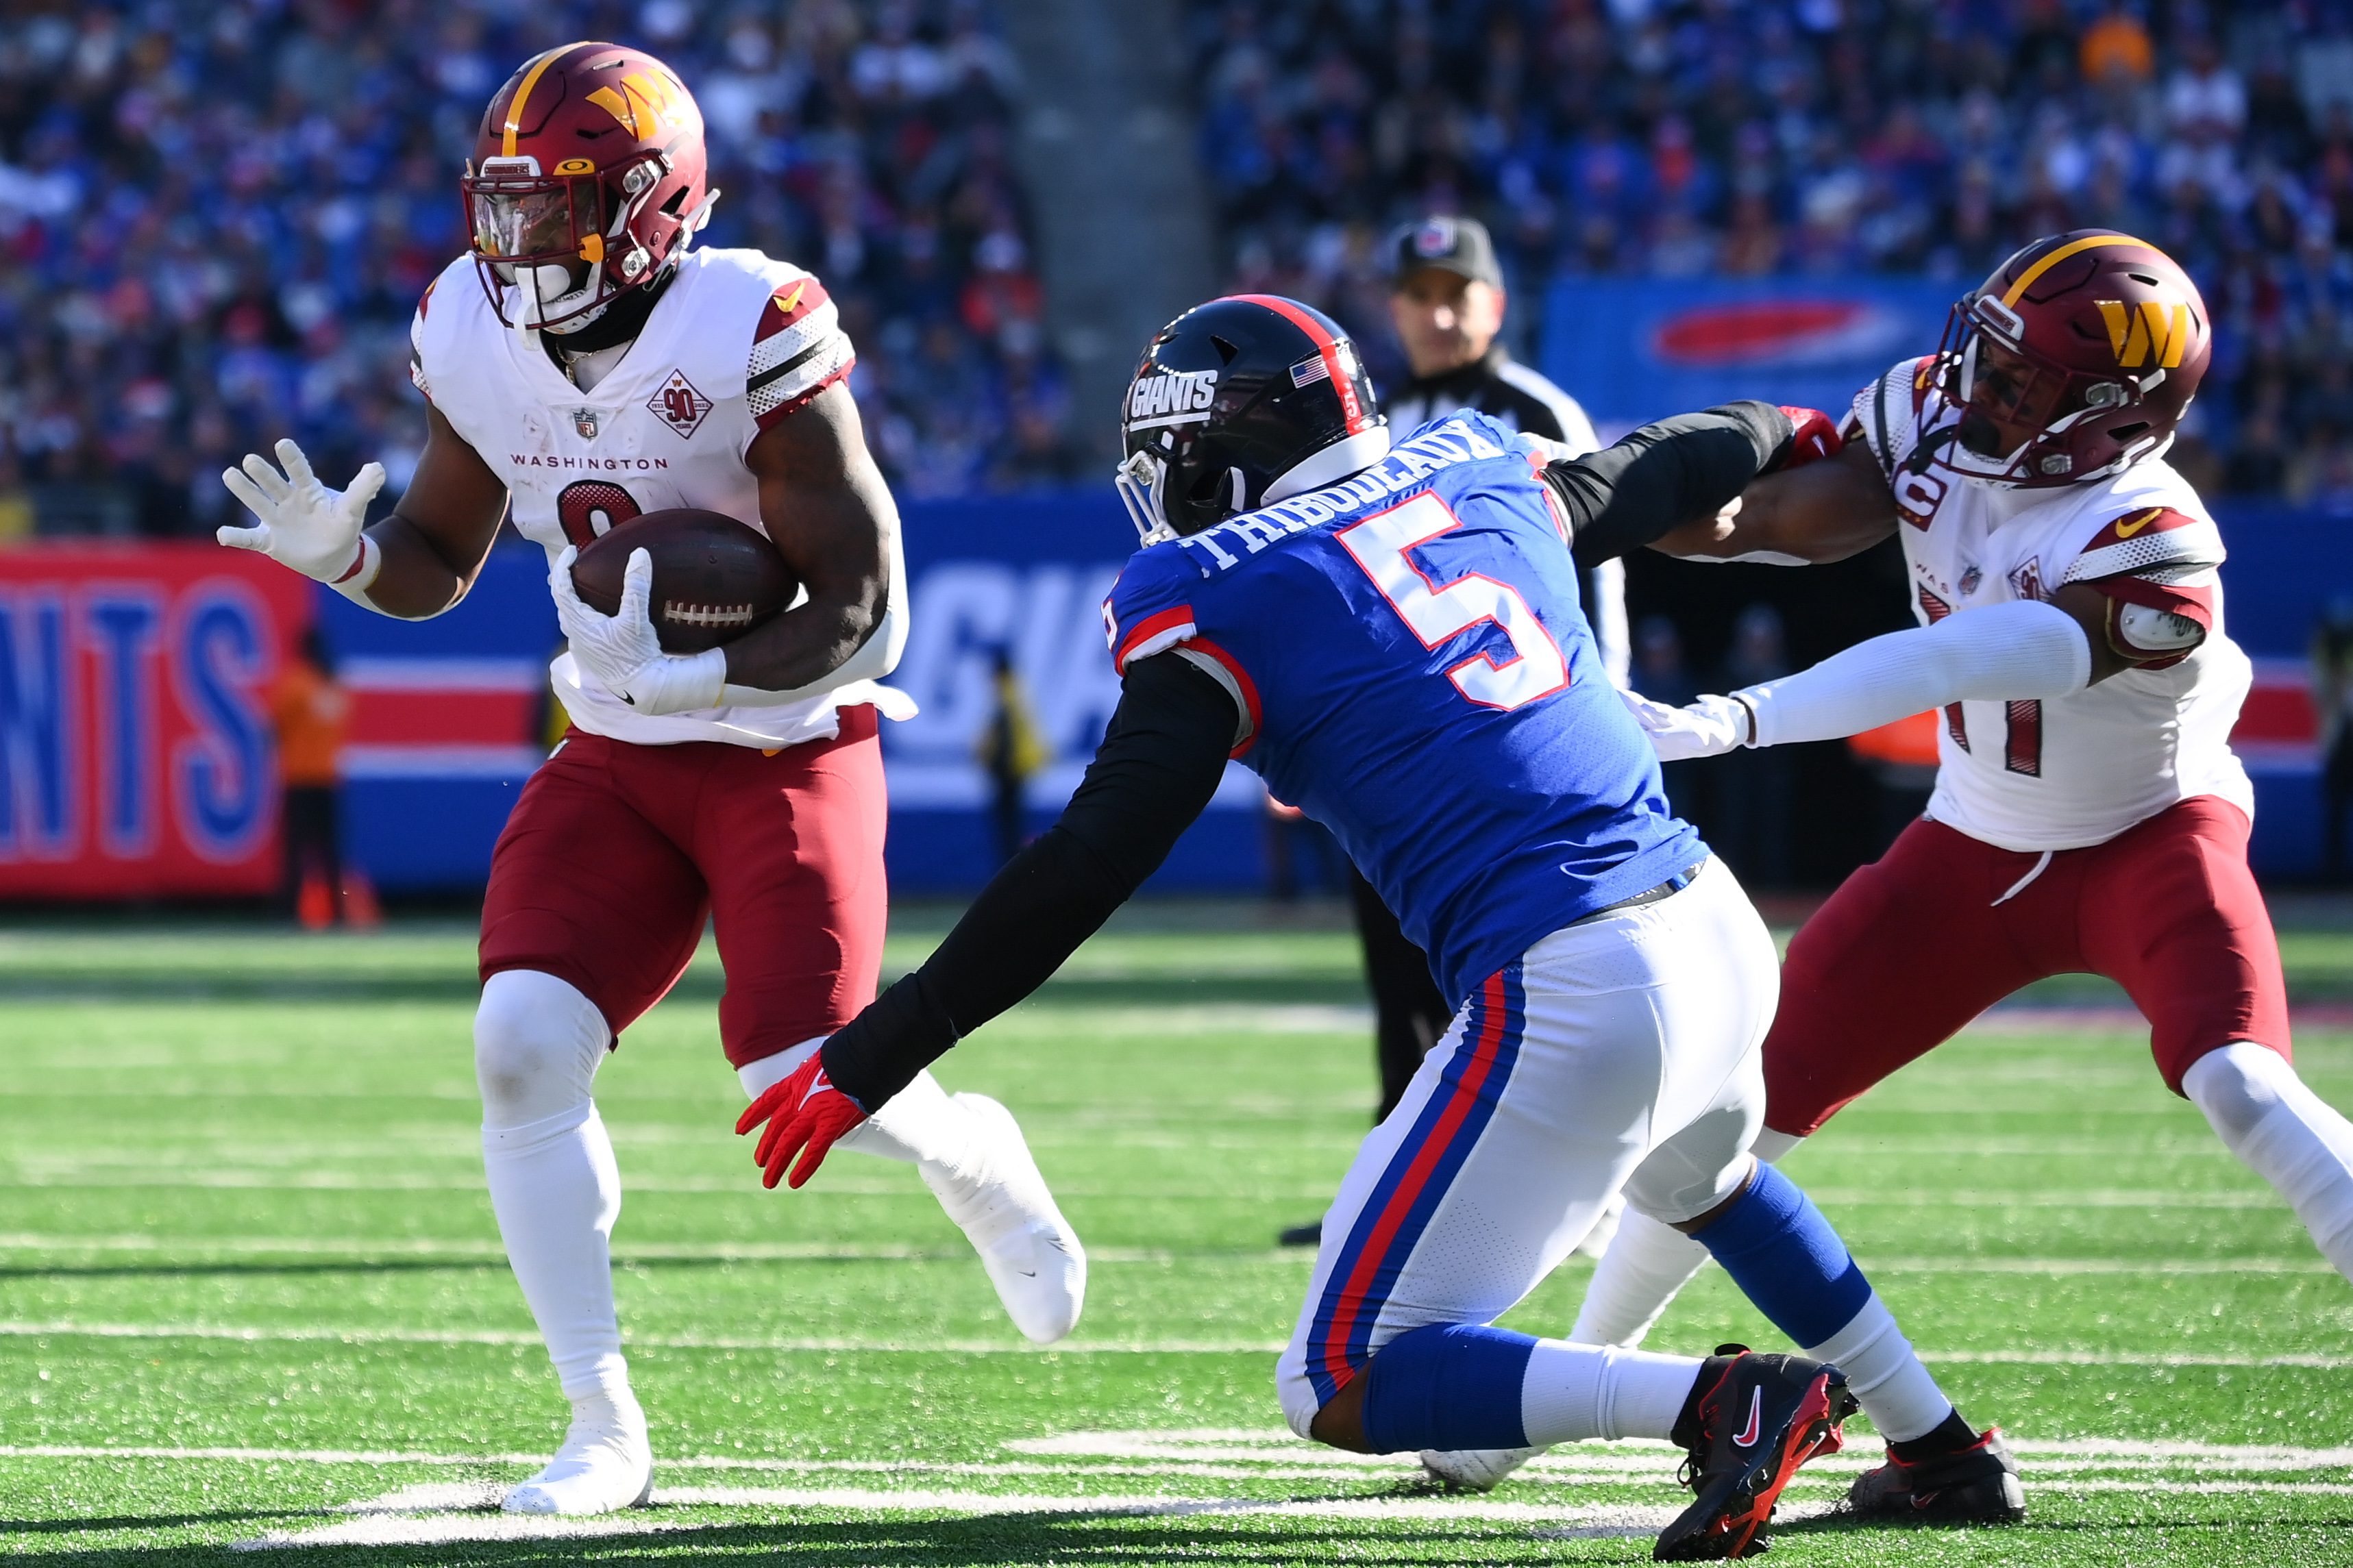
[
  {"x": 643, "y": 101},
  {"x": 2157, "y": 331}
]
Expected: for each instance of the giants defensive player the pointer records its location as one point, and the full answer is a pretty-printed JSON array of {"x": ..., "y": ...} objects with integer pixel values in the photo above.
[
  {"x": 598, "y": 370},
  {"x": 1393, "y": 637},
  {"x": 2089, "y": 815}
]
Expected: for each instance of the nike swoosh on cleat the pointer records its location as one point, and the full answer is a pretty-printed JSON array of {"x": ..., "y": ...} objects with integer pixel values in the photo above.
[
  {"x": 1746, "y": 1437},
  {"x": 1923, "y": 1500}
]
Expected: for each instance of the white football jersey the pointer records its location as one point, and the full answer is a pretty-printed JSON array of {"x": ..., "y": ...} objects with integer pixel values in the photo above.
[
  {"x": 736, "y": 343},
  {"x": 2077, "y": 770}
]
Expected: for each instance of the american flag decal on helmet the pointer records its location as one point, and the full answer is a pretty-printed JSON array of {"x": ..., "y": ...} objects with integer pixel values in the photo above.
[{"x": 1307, "y": 372}]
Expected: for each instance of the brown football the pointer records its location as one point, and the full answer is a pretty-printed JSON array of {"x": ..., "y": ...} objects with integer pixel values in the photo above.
[{"x": 714, "y": 578}]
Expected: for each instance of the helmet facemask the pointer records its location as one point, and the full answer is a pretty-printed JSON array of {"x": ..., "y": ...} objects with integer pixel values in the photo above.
[
  {"x": 540, "y": 242},
  {"x": 2001, "y": 383}
]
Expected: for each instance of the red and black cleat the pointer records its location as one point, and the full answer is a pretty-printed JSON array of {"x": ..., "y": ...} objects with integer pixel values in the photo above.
[
  {"x": 1752, "y": 1421},
  {"x": 1975, "y": 1485}
]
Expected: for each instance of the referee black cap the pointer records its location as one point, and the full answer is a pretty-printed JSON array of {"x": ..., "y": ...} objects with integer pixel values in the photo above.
[{"x": 1459, "y": 245}]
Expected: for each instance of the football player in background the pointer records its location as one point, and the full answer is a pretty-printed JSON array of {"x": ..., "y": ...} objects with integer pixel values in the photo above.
[
  {"x": 587, "y": 364},
  {"x": 1392, "y": 638},
  {"x": 2088, "y": 814}
]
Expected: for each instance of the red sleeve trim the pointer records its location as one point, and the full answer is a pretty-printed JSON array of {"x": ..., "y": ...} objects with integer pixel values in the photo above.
[
  {"x": 1232, "y": 666},
  {"x": 787, "y": 305},
  {"x": 424, "y": 301},
  {"x": 1144, "y": 630},
  {"x": 2150, "y": 519},
  {"x": 803, "y": 401}
]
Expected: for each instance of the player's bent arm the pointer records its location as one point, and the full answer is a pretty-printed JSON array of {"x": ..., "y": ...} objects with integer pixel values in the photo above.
[
  {"x": 434, "y": 543},
  {"x": 1663, "y": 476},
  {"x": 1807, "y": 515},
  {"x": 1160, "y": 762},
  {"x": 827, "y": 509}
]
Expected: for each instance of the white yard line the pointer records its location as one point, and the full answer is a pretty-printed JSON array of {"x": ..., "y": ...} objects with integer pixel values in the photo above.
[
  {"x": 383, "y": 1524},
  {"x": 314, "y": 1333},
  {"x": 1219, "y": 1453},
  {"x": 194, "y": 1251}
]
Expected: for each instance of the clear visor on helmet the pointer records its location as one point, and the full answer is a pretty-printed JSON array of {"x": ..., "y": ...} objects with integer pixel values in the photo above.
[{"x": 532, "y": 221}]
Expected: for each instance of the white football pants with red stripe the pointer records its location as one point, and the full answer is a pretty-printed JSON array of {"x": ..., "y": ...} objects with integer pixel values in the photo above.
[{"x": 1620, "y": 1052}]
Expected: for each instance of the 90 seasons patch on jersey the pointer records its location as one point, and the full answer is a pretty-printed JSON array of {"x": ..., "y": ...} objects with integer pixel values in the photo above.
[{"x": 677, "y": 404}]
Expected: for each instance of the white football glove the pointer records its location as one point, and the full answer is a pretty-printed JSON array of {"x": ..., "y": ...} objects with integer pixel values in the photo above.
[
  {"x": 1708, "y": 727},
  {"x": 622, "y": 652},
  {"x": 305, "y": 525}
]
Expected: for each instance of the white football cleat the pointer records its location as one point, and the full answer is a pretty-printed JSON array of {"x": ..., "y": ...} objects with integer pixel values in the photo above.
[
  {"x": 605, "y": 1463},
  {"x": 1474, "y": 1469},
  {"x": 1002, "y": 1205}
]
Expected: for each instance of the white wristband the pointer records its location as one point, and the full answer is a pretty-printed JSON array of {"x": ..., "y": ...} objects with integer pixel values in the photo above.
[{"x": 353, "y": 584}]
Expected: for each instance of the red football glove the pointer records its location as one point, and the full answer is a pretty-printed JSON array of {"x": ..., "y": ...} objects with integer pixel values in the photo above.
[
  {"x": 1817, "y": 437},
  {"x": 803, "y": 1111}
]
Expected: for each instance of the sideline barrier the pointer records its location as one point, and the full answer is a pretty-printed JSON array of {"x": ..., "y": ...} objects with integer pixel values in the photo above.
[{"x": 136, "y": 761}]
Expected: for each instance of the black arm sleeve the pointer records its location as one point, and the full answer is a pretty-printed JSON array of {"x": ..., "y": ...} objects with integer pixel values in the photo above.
[
  {"x": 1159, "y": 763},
  {"x": 1665, "y": 475}
]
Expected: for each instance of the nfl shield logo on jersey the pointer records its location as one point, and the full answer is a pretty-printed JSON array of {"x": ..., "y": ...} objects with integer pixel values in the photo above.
[
  {"x": 584, "y": 420},
  {"x": 679, "y": 406}
]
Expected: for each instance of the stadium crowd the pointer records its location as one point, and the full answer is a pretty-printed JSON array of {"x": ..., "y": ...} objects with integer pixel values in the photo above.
[
  {"x": 1682, "y": 138},
  {"x": 217, "y": 216}
]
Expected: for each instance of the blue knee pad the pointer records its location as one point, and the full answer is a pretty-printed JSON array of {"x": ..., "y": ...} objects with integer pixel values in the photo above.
[
  {"x": 1447, "y": 1385},
  {"x": 1785, "y": 1257}
]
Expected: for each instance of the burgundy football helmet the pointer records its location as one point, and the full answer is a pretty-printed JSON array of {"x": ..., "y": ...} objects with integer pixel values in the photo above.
[
  {"x": 588, "y": 177},
  {"x": 1238, "y": 403},
  {"x": 2093, "y": 340}
]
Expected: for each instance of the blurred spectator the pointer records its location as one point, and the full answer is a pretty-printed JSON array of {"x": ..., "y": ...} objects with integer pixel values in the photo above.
[
  {"x": 1010, "y": 752},
  {"x": 2332, "y": 701},
  {"x": 1740, "y": 138},
  {"x": 1751, "y": 824},
  {"x": 216, "y": 220},
  {"x": 310, "y": 711},
  {"x": 1902, "y": 760}
]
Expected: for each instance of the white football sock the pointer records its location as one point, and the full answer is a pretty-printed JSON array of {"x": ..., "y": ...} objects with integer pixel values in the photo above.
[
  {"x": 920, "y": 1126},
  {"x": 1646, "y": 1265},
  {"x": 1902, "y": 1400},
  {"x": 1572, "y": 1391},
  {"x": 1647, "y": 1262},
  {"x": 553, "y": 1182},
  {"x": 2285, "y": 1133}
]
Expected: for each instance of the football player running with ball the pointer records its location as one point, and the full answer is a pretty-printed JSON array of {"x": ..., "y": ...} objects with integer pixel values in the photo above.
[
  {"x": 2089, "y": 816},
  {"x": 598, "y": 370},
  {"x": 1391, "y": 635}
]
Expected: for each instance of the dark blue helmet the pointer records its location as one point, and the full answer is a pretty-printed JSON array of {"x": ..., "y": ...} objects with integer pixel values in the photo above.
[{"x": 1239, "y": 403}]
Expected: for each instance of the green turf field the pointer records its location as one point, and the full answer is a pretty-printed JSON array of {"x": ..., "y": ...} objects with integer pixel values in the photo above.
[{"x": 251, "y": 1294}]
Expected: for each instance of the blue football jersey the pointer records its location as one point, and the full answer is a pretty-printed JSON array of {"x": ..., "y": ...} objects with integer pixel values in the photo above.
[{"x": 1416, "y": 674}]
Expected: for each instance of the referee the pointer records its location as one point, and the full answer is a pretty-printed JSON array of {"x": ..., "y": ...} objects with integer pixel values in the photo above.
[{"x": 1446, "y": 299}]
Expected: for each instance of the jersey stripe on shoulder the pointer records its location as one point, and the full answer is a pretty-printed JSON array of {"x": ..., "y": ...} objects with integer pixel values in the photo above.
[
  {"x": 1155, "y": 632},
  {"x": 416, "y": 341},
  {"x": 798, "y": 350},
  {"x": 2145, "y": 537}
]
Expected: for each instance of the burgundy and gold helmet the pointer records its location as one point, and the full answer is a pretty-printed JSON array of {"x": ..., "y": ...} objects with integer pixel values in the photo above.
[
  {"x": 588, "y": 176},
  {"x": 2093, "y": 340}
]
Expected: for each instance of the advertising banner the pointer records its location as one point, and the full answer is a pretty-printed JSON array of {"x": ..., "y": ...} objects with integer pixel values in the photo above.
[
  {"x": 1633, "y": 350},
  {"x": 136, "y": 754}
]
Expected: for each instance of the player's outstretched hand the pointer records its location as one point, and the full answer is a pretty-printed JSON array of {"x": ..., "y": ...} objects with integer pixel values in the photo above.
[
  {"x": 803, "y": 1112},
  {"x": 623, "y": 652},
  {"x": 305, "y": 525},
  {"x": 1708, "y": 727},
  {"x": 1816, "y": 437}
]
